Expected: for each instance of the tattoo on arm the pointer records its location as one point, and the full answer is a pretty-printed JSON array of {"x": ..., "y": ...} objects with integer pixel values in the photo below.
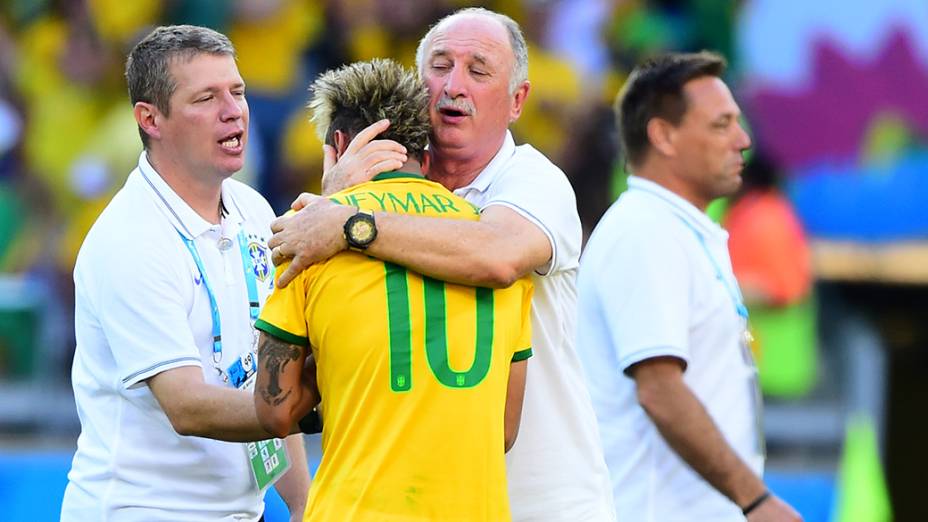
[{"x": 276, "y": 355}]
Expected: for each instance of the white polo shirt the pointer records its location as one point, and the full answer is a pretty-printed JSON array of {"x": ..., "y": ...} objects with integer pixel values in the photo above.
[
  {"x": 141, "y": 309},
  {"x": 648, "y": 287},
  {"x": 556, "y": 470}
]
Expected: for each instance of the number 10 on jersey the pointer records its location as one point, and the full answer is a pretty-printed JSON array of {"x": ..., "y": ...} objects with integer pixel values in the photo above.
[{"x": 436, "y": 341}]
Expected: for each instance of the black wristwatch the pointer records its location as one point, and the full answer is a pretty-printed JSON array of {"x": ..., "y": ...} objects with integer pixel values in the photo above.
[{"x": 360, "y": 230}]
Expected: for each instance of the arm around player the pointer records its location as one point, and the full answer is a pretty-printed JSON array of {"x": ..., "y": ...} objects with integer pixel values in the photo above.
[{"x": 495, "y": 251}]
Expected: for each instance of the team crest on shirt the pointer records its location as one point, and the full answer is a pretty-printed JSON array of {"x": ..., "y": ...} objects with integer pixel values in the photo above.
[{"x": 260, "y": 261}]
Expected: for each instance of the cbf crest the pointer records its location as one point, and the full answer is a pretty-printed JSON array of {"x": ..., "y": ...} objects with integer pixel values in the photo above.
[{"x": 260, "y": 260}]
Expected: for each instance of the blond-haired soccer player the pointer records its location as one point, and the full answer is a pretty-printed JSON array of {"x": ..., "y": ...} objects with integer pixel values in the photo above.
[{"x": 422, "y": 380}]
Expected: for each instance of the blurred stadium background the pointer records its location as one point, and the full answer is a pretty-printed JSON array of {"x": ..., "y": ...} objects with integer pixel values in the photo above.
[{"x": 829, "y": 239}]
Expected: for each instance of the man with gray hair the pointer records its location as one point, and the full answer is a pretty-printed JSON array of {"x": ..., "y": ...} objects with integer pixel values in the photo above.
[
  {"x": 474, "y": 64},
  {"x": 165, "y": 355}
]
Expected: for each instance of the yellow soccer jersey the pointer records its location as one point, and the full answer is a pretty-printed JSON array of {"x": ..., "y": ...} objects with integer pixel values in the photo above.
[{"x": 413, "y": 373}]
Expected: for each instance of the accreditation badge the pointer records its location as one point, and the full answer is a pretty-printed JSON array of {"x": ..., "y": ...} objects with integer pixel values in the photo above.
[{"x": 268, "y": 458}]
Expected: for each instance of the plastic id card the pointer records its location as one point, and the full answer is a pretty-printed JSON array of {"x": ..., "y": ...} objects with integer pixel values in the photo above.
[
  {"x": 269, "y": 461},
  {"x": 268, "y": 458}
]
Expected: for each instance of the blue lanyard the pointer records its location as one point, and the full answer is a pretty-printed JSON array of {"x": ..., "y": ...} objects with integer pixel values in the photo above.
[
  {"x": 253, "y": 303},
  {"x": 254, "y": 307},
  {"x": 733, "y": 291}
]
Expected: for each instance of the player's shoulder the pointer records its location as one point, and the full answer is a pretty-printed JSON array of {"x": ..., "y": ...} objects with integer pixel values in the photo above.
[
  {"x": 449, "y": 201},
  {"x": 524, "y": 286},
  {"x": 407, "y": 194},
  {"x": 525, "y": 282}
]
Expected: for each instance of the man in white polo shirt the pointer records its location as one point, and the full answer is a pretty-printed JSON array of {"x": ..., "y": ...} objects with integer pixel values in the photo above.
[
  {"x": 169, "y": 282},
  {"x": 475, "y": 65},
  {"x": 663, "y": 330}
]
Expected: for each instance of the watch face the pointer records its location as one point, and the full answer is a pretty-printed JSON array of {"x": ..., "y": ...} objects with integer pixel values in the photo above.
[{"x": 362, "y": 231}]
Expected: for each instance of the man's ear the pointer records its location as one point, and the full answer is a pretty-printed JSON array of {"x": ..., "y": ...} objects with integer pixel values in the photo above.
[
  {"x": 661, "y": 134},
  {"x": 425, "y": 162},
  {"x": 341, "y": 143},
  {"x": 518, "y": 101},
  {"x": 148, "y": 117}
]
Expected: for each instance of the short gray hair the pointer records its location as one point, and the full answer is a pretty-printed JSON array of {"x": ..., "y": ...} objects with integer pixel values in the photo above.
[
  {"x": 519, "y": 73},
  {"x": 148, "y": 71}
]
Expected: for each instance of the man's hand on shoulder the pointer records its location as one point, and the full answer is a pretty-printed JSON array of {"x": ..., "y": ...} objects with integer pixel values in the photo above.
[
  {"x": 311, "y": 235},
  {"x": 363, "y": 159}
]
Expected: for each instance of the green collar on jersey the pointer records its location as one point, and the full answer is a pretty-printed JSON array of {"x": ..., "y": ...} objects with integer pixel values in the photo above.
[{"x": 396, "y": 174}]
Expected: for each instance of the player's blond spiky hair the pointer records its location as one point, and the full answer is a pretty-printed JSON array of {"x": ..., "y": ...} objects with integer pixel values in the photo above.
[{"x": 356, "y": 95}]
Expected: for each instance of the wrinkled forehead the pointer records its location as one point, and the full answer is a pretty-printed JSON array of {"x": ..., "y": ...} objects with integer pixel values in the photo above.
[{"x": 471, "y": 36}]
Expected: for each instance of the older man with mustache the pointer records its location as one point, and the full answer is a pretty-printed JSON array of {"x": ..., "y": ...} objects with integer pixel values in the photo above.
[{"x": 475, "y": 65}]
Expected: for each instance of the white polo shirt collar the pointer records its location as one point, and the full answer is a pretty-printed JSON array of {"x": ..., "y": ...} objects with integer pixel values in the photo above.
[
  {"x": 483, "y": 180},
  {"x": 679, "y": 206},
  {"x": 186, "y": 220}
]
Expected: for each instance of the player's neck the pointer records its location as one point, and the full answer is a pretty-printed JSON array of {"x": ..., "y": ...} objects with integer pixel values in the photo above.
[
  {"x": 412, "y": 166},
  {"x": 202, "y": 193}
]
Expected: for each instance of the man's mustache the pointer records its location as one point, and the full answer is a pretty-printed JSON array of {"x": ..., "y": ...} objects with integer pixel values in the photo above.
[{"x": 460, "y": 105}]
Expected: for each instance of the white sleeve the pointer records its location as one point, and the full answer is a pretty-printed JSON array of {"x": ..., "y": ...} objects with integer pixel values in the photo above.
[
  {"x": 540, "y": 192},
  {"x": 644, "y": 297},
  {"x": 142, "y": 312}
]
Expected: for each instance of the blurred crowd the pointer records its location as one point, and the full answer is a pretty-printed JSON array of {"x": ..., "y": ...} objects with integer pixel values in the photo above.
[{"x": 68, "y": 139}]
